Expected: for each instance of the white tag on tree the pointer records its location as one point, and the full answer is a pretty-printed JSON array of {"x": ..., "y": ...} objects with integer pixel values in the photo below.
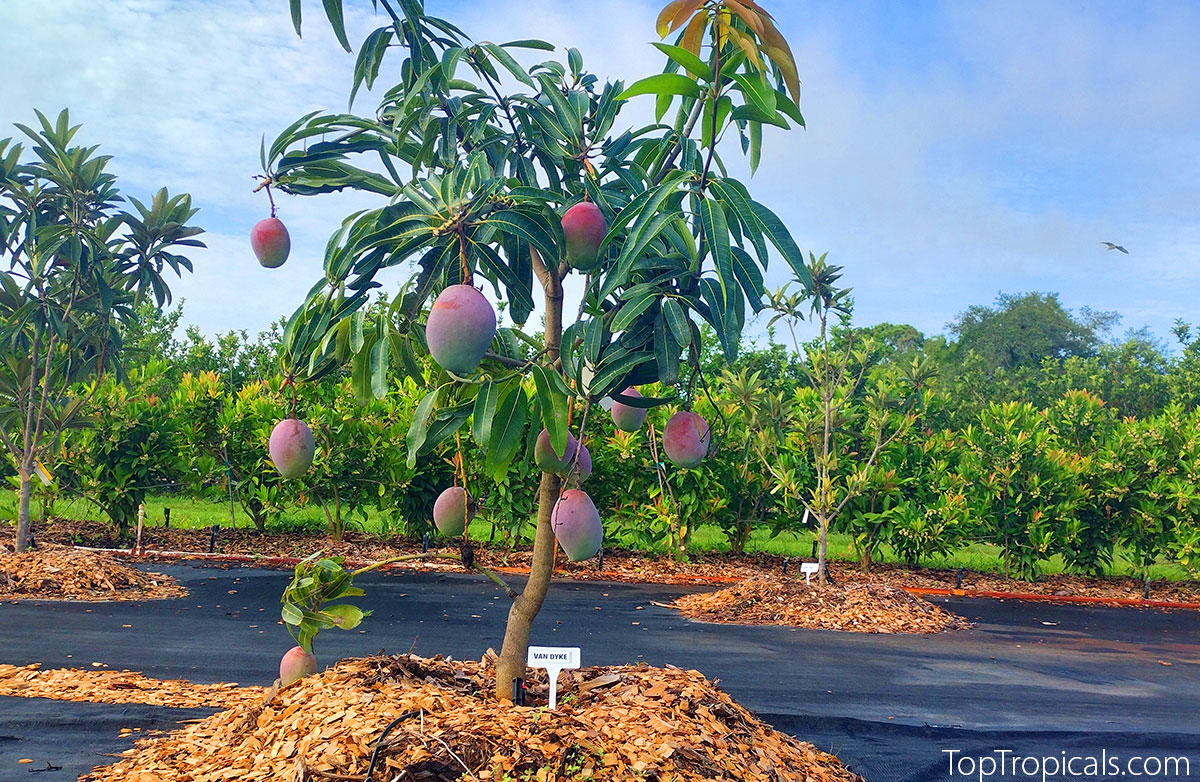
[{"x": 554, "y": 659}]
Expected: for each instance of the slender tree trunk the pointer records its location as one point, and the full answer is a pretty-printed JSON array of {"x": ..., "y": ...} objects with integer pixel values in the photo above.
[
  {"x": 826, "y": 447},
  {"x": 822, "y": 545},
  {"x": 23, "y": 510},
  {"x": 525, "y": 607},
  {"x": 741, "y": 533}
]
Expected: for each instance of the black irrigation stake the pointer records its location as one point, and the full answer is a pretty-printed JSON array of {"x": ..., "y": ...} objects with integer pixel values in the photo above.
[
  {"x": 785, "y": 564},
  {"x": 960, "y": 578},
  {"x": 814, "y": 551},
  {"x": 212, "y": 539},
  {"x": 167, "y": 518},
  {"x": 600, "y": 560},
  {"x": 1146, "y": 588},
  {"x": 518, "y": 692},
  {"x": 425, "y": 544}
]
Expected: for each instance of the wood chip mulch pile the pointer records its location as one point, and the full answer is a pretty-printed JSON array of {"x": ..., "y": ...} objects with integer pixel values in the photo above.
[
  {"x": 64, "y": 573},
  {"x": 76, "y": 684},
  {"x": 619, "y": 723},
  {"x": 857, "y": 607}
]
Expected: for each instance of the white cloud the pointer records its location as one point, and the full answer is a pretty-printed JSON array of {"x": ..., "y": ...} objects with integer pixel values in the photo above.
[{"x": 991, "y": 156}]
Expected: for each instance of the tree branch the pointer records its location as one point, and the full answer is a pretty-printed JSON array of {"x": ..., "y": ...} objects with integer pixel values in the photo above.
[
  {"x": 684, "y": 134},
  {"x": 489, "y": 574},
  {"x": 517, "y": 363}
]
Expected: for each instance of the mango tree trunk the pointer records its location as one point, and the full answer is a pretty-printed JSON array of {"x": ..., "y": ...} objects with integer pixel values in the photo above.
[
  {"x": 822, "y": 547},
  {"x": 525, "y": 607},
  {"x": 23, "y": 510}
]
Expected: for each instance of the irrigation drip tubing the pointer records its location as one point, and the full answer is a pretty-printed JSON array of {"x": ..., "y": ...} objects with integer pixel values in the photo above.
[{"x": 379, "y": 741}]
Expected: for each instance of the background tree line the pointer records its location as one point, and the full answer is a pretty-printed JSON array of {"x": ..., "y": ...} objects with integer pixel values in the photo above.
[{"x": 1027, "y": 428}]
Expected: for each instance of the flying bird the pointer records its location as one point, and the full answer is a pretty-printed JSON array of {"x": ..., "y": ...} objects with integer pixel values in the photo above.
[{"x": 1111, "y": 246}]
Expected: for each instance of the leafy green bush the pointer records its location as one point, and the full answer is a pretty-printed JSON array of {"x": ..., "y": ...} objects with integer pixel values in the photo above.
[
  {"x": 128, "y": 444},
  {"x": 1023, "y": 487}
]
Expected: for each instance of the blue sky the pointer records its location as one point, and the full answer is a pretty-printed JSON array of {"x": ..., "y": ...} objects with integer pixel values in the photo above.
[{"x": 953, "y": 150}]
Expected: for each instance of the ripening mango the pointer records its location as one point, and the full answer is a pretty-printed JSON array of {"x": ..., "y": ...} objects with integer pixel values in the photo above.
[
  {"x": 270, "y": 241},
  {"x": 576, "y": 525},
  {"x": 460, "y": 328},
  {"x": 453, "y": 510},
  {"x": 685, "y": 439},
  {"x": 549, "y": 460},
  {"x": 627, "y": 417},
  {"x": 295, "y": 665},
  {"x": 292, "y": 447},
  {"x": 584, "y": 229},
  {"x": 581, "y": 469}
]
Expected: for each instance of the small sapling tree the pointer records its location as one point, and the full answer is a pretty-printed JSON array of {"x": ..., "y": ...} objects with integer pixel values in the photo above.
[
  {"x": 481, "y": 164},
  {"x": 76, "y": 268},
  {"x": 838, "y": 422}
]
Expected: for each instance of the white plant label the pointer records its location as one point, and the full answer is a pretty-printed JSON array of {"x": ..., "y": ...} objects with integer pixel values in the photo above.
[
  {"x": 808, "y": 569},
  {"x": 554, "y": 659}
]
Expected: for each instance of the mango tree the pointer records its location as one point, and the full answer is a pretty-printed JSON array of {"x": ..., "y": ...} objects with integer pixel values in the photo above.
[
  {"x": 497, "y": 174},
  {"x": 76, "y": 266}
]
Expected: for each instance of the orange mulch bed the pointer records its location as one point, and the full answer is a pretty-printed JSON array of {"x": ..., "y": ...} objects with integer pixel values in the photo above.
[
  {"x": 1063, "y": 584},
  {"x": 620, "y": 723},
  {"x": 619, "y": 565},
  {"x": 64, "y": 573},
  {"x": 856, "y": 607},
  {"x": 77, "y": 684}
]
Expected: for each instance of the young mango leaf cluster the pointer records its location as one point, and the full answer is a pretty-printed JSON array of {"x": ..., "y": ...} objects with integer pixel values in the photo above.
[
  {"x": 307, "y": 599},
  {"x": 479, "y": 157}
]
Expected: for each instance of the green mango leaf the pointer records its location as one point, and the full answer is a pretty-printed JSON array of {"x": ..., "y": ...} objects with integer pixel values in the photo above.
[
  {"x": 757, "y": 91},
  {"x": 510, "y": 65},
  {"x": 552, "y": 397},
  {"x": 484, "y": 411},
  {"x": 333, "y": 10},
  {"x": 662, "y": 84},
  {"x": 677, "y": 320},
  {"x": 345, "y": 616},
  {"x": 716, "y": 234},
  {"x": 529, "y": 43},
  {"x": 632, "y": 310},
  {"x": 419, "y": 428},
  {"x": 527, "y": 229},
  {"x": 508, "y": 428},
  {"x": 380, "y": 354},
  {"x": 291, "y": 614},
  {"x": 690, "y": 62},
  {"x": 666, "y": 352},
  {"x": 777, "y": 232}
]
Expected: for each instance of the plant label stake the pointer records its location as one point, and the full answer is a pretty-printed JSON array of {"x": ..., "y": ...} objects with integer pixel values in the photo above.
[
  {"x": 42, "y": 473},
  {"x": 554, "y": 659},
  {"x": 137, "y": 547},
  {"x": 808, "y": 568}
]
